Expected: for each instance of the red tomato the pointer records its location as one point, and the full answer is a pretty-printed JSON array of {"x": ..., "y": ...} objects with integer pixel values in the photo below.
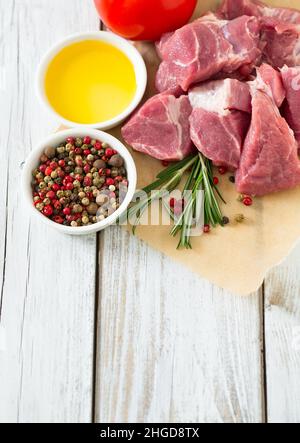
[{"x": 144, "y": 19}]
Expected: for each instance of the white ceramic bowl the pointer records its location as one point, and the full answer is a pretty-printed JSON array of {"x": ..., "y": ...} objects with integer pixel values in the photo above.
[
  {"x": 54, "y": 140},
  {"x": 123, "y": 45}
]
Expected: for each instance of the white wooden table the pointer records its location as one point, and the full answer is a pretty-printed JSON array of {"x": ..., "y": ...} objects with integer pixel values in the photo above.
[{"x": 103, "y": 328}]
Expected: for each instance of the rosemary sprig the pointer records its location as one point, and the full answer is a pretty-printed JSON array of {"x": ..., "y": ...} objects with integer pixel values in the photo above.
[
  {"x": 199, "y": 179},
  {"x": 168, "y": 180}
]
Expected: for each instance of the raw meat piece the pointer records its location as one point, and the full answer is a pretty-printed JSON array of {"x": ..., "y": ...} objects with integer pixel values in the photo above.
[
  {"x": 291, "y": 109},
  {"x": 160, "y": 128},
  {"x": 221, "y": 94},
  {"x": 269, "y": 161},
  {"x": 219, "y": 135},
  {"x": 194, "y": 53},
  {"x": 272, "y": 78},
  {"x": 162, "y": 45},
  {"x": 167, "y": 79},
  {"x": 218, "y": 128},
  {"x": 231, "y": 9},
  {"x": 206, "y": 47},
  {"x": 280, "y": 43},
  {"x": 243, "y": 34}
]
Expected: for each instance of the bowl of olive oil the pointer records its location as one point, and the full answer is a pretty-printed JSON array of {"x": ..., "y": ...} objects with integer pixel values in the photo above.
[{"x": 95, "y": 79}]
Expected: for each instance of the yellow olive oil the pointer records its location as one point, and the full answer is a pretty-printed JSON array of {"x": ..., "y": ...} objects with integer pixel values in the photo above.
[{"x": 90, "y": 82}]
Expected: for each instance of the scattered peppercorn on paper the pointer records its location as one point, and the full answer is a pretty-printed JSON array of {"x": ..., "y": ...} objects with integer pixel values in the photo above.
[{"x": 238, "y": 256}]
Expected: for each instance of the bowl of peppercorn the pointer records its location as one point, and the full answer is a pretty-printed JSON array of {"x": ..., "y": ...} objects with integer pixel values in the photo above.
[{"x": 79, "y": 181}]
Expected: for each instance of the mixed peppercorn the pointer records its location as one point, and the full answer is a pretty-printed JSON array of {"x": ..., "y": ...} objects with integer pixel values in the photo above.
[{"x": 80, "y": 182}]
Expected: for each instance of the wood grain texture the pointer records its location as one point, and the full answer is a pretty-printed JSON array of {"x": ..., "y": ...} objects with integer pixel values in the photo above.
[
  {"x": 47, "y": 280},
  {"x": 282, "y": 331},
  {"x": 171, "y": 347}
]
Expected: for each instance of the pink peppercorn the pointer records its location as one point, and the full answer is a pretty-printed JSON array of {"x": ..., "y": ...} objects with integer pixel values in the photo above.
[{"x": 110, "y": 182}]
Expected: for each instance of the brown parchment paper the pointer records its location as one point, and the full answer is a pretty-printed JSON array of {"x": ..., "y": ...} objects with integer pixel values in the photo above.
[{"x": 237, "y": 257}]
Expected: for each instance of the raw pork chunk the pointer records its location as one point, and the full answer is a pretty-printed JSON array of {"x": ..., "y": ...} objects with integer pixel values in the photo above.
[
  {"x": 221, "y": 94},
  {"x": 206, "y": 47},
  {"x": 280, "y": 43},
  {"x": 161, "y": 128},
  {"x": 291, "y": 109},
  {"x": 269, "y": 160},
  {"x": 272, "y": 78},
  {"x": 231, "y": 9},
  {"x": 218, "y": 128}
]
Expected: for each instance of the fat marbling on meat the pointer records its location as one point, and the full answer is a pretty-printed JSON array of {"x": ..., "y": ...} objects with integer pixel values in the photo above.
[
  {"x": 160, "y": 128},
  {"x": 208, "y": 46},
  {"x": 231, "y": 9},
  {"x": 269, "y": 161}
]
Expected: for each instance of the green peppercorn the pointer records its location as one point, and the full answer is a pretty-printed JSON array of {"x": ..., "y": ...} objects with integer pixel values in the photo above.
[
  {"x": 69, "y": 147},
  {"x": 76, "y": 184},
  {"x": 78, "y": 142},
  {"x": 54, "y": 174},
  {"x": 60, "y": 194},
  {"x": 81, "y": 195},
  {"x": 40, "y": 206},
  {"x": 47, "y": 201},
  {"x": 90, "y": 158},
  {"x": 239, "y": 218},
  {"x": 77, "y": 209},
  {"x": 42, "y": 185},
  {"x": 61, "y": 150},
  {"x": 96, "y": 182},
  {"x": 85, "y": 201},
  {"x": 85, "y": 220}
]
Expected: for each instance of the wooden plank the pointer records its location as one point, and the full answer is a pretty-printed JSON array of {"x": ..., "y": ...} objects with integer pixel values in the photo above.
[
  {"x": 282, "y": 323},
  {"x": 47, "y": 280},
  {"x": 172, "y": 347}
]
